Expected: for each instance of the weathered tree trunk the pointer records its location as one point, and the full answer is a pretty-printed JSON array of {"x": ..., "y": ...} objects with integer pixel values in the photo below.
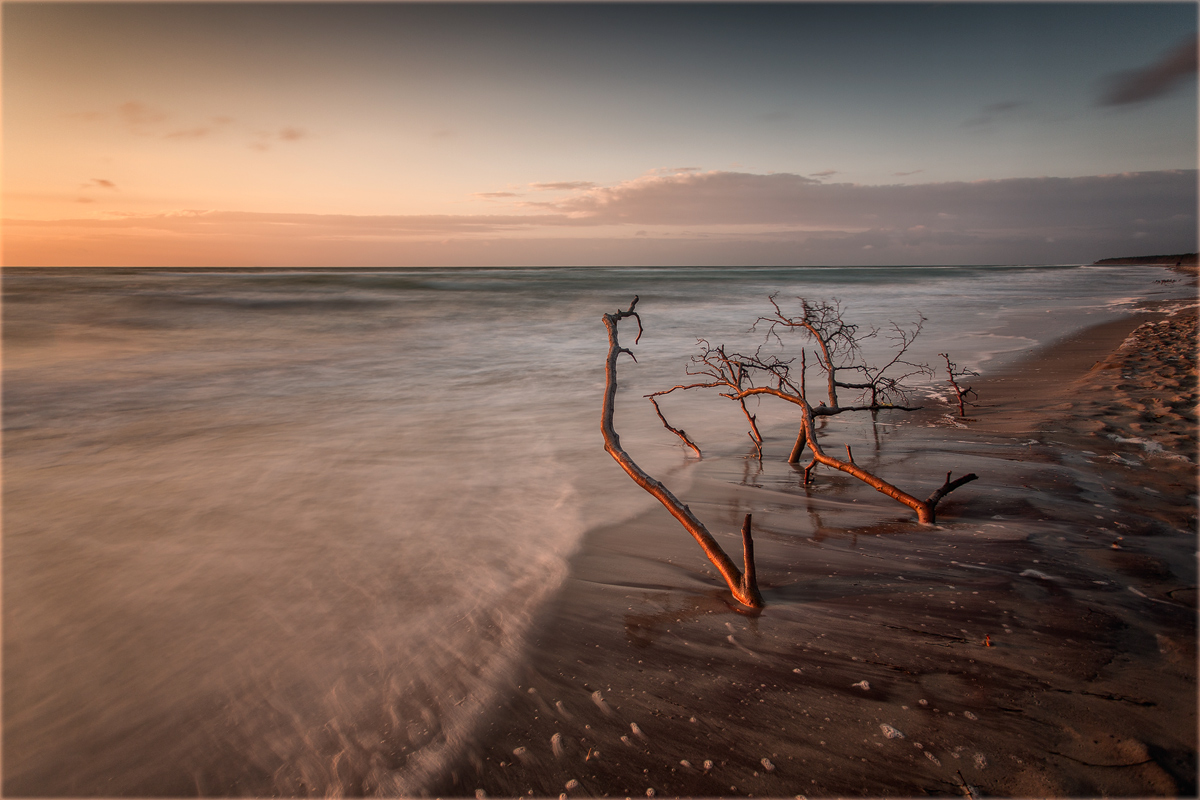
[{"x": 744, "y": 586}]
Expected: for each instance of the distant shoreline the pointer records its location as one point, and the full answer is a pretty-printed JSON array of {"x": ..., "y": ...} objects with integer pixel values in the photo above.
[{"x": 1179, "y": 259}]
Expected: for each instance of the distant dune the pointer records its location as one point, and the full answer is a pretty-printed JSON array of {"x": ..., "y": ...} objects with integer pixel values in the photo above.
[{"x": 1181, "y": 259}]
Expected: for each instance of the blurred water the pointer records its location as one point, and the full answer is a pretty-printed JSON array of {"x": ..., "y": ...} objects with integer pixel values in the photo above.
[{"x": 284, "y": 532}]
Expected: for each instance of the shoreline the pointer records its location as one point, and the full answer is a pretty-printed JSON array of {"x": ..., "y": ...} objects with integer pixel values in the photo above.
[{"x": 1028, "y": 645}]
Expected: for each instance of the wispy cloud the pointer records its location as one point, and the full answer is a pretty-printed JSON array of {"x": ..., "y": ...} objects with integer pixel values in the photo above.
[
  {"x": 701, "y": 218},
  {"x": 780, "y": 201},
  {"x": 825, "y": 173},
  {"x": 906, "y": 174},
  {"x": 562, "y": 186},
  {"x": 139, "y": 115},
  {"x": 731, "y": 198},
  {"x": 264, "y": 139},
  {"x": 88, "y": 116},
  {"x": 778, "y": 115},
  {"x": 198, "y": 132},
  {"x": 98, "y": 183},
  {"x": 993, "y": 113},
  {"x": 143, "y": 119},
  {"x": 290, "y": 224},
  {"x": 495, "y": 195},
  {"x": 1140, "y": 85}
]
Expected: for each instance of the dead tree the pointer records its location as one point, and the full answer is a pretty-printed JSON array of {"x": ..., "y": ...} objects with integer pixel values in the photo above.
[
  {"x": 744, "y": 585},
  {"x": 954, "y": 373},
  {"x": 838, "y": 350}
]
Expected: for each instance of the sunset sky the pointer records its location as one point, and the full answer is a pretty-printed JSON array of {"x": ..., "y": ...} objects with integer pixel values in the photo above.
[{"x": 397, "y": 134}]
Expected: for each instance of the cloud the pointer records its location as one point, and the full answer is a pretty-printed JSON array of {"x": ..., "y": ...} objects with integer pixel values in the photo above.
[
  {"x": 561, "y": 186},
  {"x": 190, "y": 133},
  {"x": 137, "y": 114},
  {"x": 699, "y": 218},
  {"x": 495, "y": 195},
  {"x": 992, "y": 113},
  {"x": 906, "y": 174},
  {"x": 199, "y": 131},
  {"x": 823, "y": 173},
  {"x": 199, "y": 221},
  {"x": 782, "y": 202},
  {"x": 264, "y": 139},
  {"x": 1090, "y": 203},
  {"x": 144, "y": 119},
  {"x": 1140, "y": 85},
  {"x": 690, "y": 198},
  {"x": 98, "y": 183},
  {"x": 775, "y": 116}
]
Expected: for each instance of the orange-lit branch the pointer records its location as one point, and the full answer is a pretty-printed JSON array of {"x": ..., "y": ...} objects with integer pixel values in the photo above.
[{"x": 744, "y": 586}]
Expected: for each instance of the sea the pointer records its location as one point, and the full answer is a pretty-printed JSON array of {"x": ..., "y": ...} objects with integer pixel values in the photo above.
[{"x": 288, "y": 531}]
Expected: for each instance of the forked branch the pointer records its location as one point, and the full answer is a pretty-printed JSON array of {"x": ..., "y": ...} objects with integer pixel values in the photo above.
[
  {"x": 926, "y": 509},
  {"x": 743, "y": 585},
  {"x": 680, "y": 432},
  {"x": 954, "y": 372},
  {"x": 738, "y": 376}
]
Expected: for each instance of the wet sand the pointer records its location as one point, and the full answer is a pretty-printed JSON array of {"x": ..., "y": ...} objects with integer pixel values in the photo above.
[{"x": 1039, "y": 641}]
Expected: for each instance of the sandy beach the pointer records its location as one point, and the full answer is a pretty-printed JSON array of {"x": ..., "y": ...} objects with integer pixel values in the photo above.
[{"x": 1039, "y": 641}]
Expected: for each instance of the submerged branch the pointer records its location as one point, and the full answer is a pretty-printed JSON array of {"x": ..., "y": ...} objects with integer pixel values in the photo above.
[
  {"x": 677, "y": 431},
  {"x": 953, "y": 373}
]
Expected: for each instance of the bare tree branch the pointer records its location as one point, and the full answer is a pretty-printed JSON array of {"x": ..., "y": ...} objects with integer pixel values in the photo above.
[
  {"x": 677, "y": 431},
  {"x": 926, "y": 509},
  {"x": 838, "y": 348},
  {"x": 954, "y": 373},
  {"x": 755, "y": 436},
  {"x": 948, "y": 487},
  {"x": 744, "y": 586}
]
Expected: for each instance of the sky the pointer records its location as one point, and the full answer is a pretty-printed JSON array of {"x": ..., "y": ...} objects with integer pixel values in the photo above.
[{"x": 505, "y": 134}]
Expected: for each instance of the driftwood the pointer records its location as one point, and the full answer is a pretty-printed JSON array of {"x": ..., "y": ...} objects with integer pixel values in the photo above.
[
  {"x": 743, "y": 584},
  {"x": 838, "y": 352},
  {"x": 955, "y": 372}
]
